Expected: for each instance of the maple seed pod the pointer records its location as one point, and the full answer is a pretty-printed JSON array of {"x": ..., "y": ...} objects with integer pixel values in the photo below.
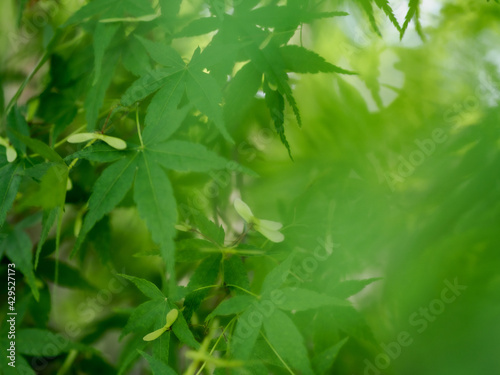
[
  {"x": 114, "y": 142},
  {"x": 10, "y": 152},
  {"x": 155, "y": 334},
  {"x": 172, "y": 317},
  {"x": 269, "y": 229},
  {"x": 82, "y": 137}
]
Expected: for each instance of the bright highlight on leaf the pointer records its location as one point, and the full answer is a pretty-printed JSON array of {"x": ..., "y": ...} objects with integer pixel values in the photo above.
[
  {"x": 9, "y": 150},
  {"x": 171, "y": 318},
  {"x": 269, "y": 229},
  {"x": 114, "y": 142}
]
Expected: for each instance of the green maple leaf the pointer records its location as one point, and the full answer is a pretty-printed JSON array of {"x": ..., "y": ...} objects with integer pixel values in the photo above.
[
  {"x": 172, "y": 80},
  {"x": 384, "y": 5},
  {"x": 262, "y": 47},
  {"x": 413, "y": 13},
  {"x": 280, "y": 331},
  {"x": 154, "y": 197},
  {"x": 151, "y": 316},
  {"x": 287, "y": 342}
]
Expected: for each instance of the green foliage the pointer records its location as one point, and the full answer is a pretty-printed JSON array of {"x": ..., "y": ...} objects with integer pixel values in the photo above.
[{"x": 127, "y": 152}]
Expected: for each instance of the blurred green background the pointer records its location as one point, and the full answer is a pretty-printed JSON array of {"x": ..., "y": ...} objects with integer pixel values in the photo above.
[{"x": 398, "y": 166}]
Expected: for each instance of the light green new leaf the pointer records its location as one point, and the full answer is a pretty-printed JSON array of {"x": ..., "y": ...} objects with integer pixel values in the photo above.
[
  {"x": 204, "y": 92},
  {"x": 156, "y": 204},
  {"x": 303, "y": 299},
  {"x": 108, "y": 191},
  {"x": 287, "y": 341},
  {"x": 10, "y": 178},
  {"x": 158, "y": 367},
  {"x": 163, "y": 118},
  {"x": 234, "y": 305},
  {"x": 146, "y": 287},
  {"x": 18, "y": 250}
]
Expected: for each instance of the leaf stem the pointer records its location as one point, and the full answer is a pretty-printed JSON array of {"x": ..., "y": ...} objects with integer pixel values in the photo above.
[
  {"x": 58, "y": 242},
  {"x": 240, "y": 237},
  {"x": 205, "y": 287},
  {"x": 243, "y": 289},
  {"x": 215, "y": 345},
  {"x": 66, "y": 138},
  {"x": 21, "y": 88},
  {"x": 138, "y": 126},
  {"x": 68, "y": 362},
  {"x": 277, "y": 355}
]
